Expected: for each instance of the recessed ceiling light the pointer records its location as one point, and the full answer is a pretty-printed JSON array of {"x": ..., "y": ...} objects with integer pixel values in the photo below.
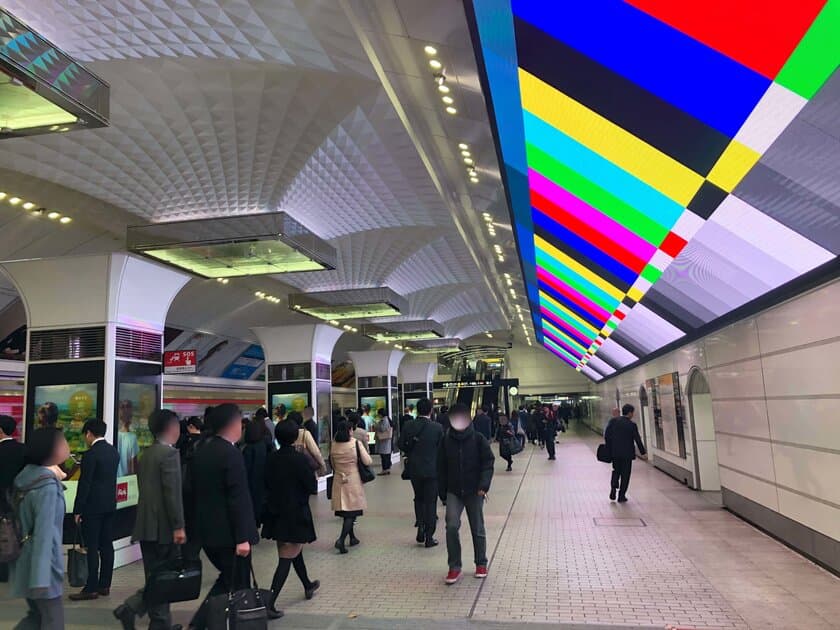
[
  {"x": 474, "y": 180},
  {"x": 259, "y": 294},
  {"x": 463, "y": 145},
  {"x": 2, "y": 195},
  {"x": 334, "y": 322},
  {"x": 465, "y": 153},
  {"x": 443, "y": 89},
  {"x": 448, "y": 100},
  {"x": 54, "y": 215},
  {"x": 347, "y": 327},
  {"x": 65, "y": 129},
  {"x": 65, "y": 220},
  {"x": 501, "y": 259},
  {"x": 486, "y": 215},
  {"x": 489, "y": 334},
  {"x": 354, "y": 329},
  {"x": 28, "y": 205},
  {"x": 435, "y": 64},
  {"x": 15, "y": 200},
  {"x": 451, "y": 110},
  {"x": 430, "y": 50},
  {"x": 468, "y": 160}
]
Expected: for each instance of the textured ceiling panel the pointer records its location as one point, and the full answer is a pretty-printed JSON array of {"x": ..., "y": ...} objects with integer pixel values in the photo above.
[
  {"x": 436, "y": 263},
  {"x": 624, "y": 127}
]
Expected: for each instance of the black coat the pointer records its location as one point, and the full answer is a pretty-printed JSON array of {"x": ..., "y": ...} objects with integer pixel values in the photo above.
[
  {"x": 223, "y": 510},
  {"x": 483, "y": 425},
  {"x": 420, "y": 440},
  {"x": 621, "y": 437},
  {"x": 465, "y": 463},
  {"x": 255, "y": 456},
  {"x": 11, "y": 463},
  {"x": 97, "y": 490},
  {"x": 289, "y": 484},
  {"x": 550, "y": 428}
]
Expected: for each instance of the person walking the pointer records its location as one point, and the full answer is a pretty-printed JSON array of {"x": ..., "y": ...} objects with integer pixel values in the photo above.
[
  {"x": 420, "y": 442},
  {"x": 223, "y": 509},
  {"x": 11, "y": 463},
  {"x": 465, "y": 470},
  {"x": 483, "y": 424},
  {"x": 38, "y": 573},
  {"x": 359, "y": 432},
  {"x": 287, "y": 518},
  {"x": 94, "y": 509},
  {"x": 384, "y": 434},
  {"x": 159, "y": 524},
  {"x": 255, "y": 453},
  {"x": 622, "y": 437},
  {"x": 504, "y": 436},
  {"x": 549, "y": 430},
  {"x": 348, "y": 492}
]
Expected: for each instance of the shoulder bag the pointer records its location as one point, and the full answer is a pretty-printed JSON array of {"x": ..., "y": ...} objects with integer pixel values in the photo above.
[
  {"x": 245, "y": 609},
  {"x": 176, "y": 579},
  {"x": 366, "y": 474},
  {"x": 604, "y": 454},
  {"x": 77, "y": 566},
  {"x": 300, "y": 447}
]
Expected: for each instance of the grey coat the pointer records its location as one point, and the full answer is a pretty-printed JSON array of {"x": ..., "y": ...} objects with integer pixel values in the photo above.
[
  {"x": 384, "y": 436},
  {"x": 160, "y": 509},
  {"x": 39, "y": 571}
]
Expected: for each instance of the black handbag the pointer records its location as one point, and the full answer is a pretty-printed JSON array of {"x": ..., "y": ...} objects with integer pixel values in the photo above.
[
  {"x": 77, "y": 566},
  {"x": 604, "y": 454},
  {"x": 367, "y": 475},
  {"x": 176, "y": 579},
  {"x": 245, "y": 609}
]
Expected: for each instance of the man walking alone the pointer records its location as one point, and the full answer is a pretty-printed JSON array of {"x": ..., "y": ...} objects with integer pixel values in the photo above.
[{"x": 622, "y": 437}]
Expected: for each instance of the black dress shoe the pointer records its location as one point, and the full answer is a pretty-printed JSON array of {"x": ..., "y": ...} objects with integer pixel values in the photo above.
[
  {"x": 431, "y": 542},
  {"x": 274, "y": 613},
  {"x": 83, "y": 596},
  {"x": 339, "y": 544},
  {"x": 309, "y": 593},
  {"x": 622, "y": 499},
  {"x": 354, "y": 541},
  {"x": 104, "y": 592},
  {"x": 421, "y": 536},
  {"x": 125, "y": 616},
  {"x": 612, "y": 494}
]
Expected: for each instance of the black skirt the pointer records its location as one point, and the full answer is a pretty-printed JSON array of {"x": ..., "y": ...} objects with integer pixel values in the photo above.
[
  {"x": 292, "y": 528},
  {"x": 349, "y": 513}
]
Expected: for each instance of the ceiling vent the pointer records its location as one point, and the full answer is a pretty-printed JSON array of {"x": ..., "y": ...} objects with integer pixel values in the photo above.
[
  {"x": 68, "y": 343},
  {"x": 139, "y": 345}
]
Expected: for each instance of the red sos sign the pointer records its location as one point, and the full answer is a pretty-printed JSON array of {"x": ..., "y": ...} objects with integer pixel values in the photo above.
[
  {"x": 179, "y": 361},
  {"x": 122, "y": 492}
]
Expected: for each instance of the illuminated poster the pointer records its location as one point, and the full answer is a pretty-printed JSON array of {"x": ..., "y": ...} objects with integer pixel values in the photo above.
[
  {"x": 75, "y": 403},
  {"x": 136, "y": 403},
  {"x": 293, "y": 402}
]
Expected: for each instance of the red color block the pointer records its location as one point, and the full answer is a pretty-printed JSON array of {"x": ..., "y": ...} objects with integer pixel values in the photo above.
[
  {"x": 619, "y": 314},
  {"x": 760, "y": 34},
  {"x": 673, "y": 244}
]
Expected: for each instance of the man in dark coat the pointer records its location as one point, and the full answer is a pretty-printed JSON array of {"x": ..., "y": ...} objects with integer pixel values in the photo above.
[
  {"x": 95, "y": 507},
  {"x": 160, "y": 515},
  {"x": 622, "y": 437},
  {"x": 420, "y": 441},
  {"x": 224, "y": 513},
  {"x": 11, "y": 463},
  {"x": 482, "y": 423},
  {"x": 465, "y": 470}
]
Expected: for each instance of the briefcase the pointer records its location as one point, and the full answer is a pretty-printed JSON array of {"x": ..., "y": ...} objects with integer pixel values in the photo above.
[
  {"x": 177, "y": 579},
  {"x": 604, "y": 454},
  {"x": 77, "y": 566}
]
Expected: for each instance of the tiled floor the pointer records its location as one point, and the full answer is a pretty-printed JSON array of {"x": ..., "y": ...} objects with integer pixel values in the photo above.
[{"x": 561, "y": 554}]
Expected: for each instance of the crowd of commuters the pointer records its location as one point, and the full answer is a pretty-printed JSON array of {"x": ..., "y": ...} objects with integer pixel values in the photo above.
[{"x": 219, "y": 483}]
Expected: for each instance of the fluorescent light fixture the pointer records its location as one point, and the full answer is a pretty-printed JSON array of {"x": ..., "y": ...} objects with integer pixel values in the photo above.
[
  {"x": 54, "y": 215},
  {"x": 474, "y": 180},
  {"x": 451, "y": 110},
  {"x": 349, "y": 304},
  {"x": 65, "y": 220},
  {"x": 468, "y": 160},
  {"x": 463, "y": 145},
  {"x": 465, "y": 153},
  {"x": 28, "y": 205},
  {"x": 245, "y": 245},
  {"x": 443, "y": 88},
  {"x": 404, "y": 331},
  {"x": 15, "y": 200},
  {"x": 435, "y": 64},
  {"x": 430, "y": 50},
  {"x": 447, "y": 99}
]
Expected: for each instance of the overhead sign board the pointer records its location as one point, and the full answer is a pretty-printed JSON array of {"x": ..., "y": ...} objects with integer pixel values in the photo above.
[{"x": 179, "y": 362}]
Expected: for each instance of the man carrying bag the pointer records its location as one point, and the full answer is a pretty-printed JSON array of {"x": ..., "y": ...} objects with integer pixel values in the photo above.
[{"x": 159, "y": 526}]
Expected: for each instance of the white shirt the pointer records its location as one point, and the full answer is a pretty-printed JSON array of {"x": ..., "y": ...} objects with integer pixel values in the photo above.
[
  {"x": 7, "y": 438},
  {"x": 96, "y": 440}
]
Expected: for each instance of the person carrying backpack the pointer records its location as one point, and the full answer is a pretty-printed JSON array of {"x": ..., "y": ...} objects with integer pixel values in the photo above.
[
  {"x": 465, "y": 470},
  {"x": 37, "y": 574},
  {"x": 505, "y": 437}
]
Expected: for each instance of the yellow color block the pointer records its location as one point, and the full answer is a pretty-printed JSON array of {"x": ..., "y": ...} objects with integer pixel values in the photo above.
[
  {"x": 634, "y": 294},
  {"x": 732, "y": 165},
  {"x": 607, "y": 139},
  {"x": 577, "y": 268}
]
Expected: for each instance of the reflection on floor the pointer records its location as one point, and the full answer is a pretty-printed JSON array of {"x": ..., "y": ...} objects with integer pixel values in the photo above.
[{"x": 562, "y": 553}]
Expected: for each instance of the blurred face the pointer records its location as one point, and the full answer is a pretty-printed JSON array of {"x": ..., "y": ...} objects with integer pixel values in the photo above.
[
  {"x": 61, "y": 453},
  {"x": 126, "y": 412},
  {"x": 192, "y": 429},
  {"x": 459, "y": 422},
  {"x": 233, "y": 431},
  {"x": 172, "y": 433},
  {"x": 89, "y": 438}
]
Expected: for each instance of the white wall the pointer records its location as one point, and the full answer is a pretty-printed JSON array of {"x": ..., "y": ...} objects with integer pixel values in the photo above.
[
  {"x": 540, "y": 372},
  {"x": 775, "y": 388}
]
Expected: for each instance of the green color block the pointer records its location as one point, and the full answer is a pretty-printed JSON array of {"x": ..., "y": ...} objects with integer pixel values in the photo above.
[
  {"x": 817, "y": 56},
  {"x": 579, "y": 284},
  {"x": 651, "y": 273}
]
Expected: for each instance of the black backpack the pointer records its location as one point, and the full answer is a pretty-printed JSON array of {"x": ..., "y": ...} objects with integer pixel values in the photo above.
[{"x": 12, "y": 538}]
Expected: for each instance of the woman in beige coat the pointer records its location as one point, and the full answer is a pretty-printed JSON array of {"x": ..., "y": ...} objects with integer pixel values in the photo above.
[{"x": 348, "y": 492}]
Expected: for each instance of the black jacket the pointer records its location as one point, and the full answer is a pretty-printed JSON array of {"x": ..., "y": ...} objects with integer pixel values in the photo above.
[
  {"x": 289, "y": 484},
  {"x": 483, "y": 425},
  {"x": 11, "y": 463},
  {"x": 97, "y": 490},
  {"x": 255, "y": 455},
  {"x": 223, "y": 509},
  {"x": 620, "y": 436},
  {"x": 549, "y": 428},
  {"x": 465, "y": 463},
  {"x": 420, "y": 441}
]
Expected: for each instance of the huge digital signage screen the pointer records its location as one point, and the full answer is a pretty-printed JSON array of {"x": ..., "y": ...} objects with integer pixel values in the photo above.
[{"x": 665, "y": 163}]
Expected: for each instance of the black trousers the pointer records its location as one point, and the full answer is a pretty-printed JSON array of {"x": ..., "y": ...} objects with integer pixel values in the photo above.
[
  {"x": 549, "y": 445},
  {"x": 230, "y": 568},
  {"x": 98, "y": 536},
  {"x": 425, "y": 504},
  {"x": 386, "y": 460},
  {"x": 621, "y": 475},
  {"x": 153, "y": 555}
]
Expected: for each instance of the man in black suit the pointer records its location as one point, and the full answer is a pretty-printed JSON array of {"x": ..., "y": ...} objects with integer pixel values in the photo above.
[
  {"x": 224, "y": 514},
  {"x": 160, "y": 515},
  {"x": 11, "y": 463},
  {"x": 622, "y": 437},
  {"x": 482, "y": 423},
  {"x": 420, "y": 441},
  {"x": 96, "y": 504}
]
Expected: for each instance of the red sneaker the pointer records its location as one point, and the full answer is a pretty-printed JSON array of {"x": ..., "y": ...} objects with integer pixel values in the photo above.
[
  {"x": 481, "y": 572},
  {"x": 453, "y": 576}
]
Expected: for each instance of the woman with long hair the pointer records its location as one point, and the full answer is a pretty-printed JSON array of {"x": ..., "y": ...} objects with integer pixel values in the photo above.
[{"x": 348, "y": 492}]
